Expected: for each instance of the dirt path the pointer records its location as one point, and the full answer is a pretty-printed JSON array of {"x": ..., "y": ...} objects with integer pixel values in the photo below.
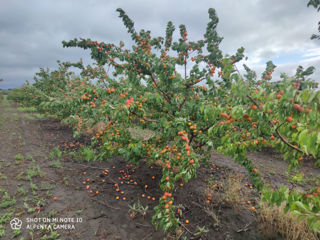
[
  {"x": 32, "y": 176},
  {"x": 37, "y": 181},
  {"x": 28, "y": 179},
  {"x": 275, "y": 170}
]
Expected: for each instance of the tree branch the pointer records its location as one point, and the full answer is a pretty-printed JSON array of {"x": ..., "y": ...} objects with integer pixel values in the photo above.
[
  {"x": 285, "y": 140},
  {"x": 163, "y": 92},
  {"x": 181, "y": 104},
  {"x": 145, "y": 119}
]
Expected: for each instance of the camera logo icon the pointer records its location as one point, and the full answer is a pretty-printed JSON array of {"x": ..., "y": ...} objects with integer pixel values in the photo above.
[{"x": 16, "y": 224}]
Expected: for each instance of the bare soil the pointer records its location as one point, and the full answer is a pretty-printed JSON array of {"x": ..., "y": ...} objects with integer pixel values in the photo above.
[{"x": 58, "y": 185}]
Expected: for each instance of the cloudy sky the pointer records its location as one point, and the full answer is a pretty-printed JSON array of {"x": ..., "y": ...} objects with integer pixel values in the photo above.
[{"x": 31, "y": 31}]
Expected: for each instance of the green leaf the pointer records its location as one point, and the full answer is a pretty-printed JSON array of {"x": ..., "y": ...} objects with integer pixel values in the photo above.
[
  {"x": 316, "y": 226},
  {"x": 300, "y": 216},
  {"x": 313, "y": 95},
  {"x": 237, "y": 112}
]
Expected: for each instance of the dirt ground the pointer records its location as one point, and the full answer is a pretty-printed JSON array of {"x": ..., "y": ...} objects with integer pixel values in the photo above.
[{"x": 92, "y": 199}]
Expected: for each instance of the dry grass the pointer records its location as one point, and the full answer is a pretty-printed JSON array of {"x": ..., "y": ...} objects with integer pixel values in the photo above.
[
  {"x": 274, "y": 221},
  {"x": 136, "y": 131},
  {"x": 234, "y": 194},
  {"x": 100, "y": 126},
  {"x": 139, "y": 133},
  {"x": 229, "y": 191}
]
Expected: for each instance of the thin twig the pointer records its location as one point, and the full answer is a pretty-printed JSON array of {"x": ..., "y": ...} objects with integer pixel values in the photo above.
[
  {"x": 163, "y": 92},
  {"x": 194, "y": 83},
  {"x": 285, "y": 140},
  {"x": 255, "y": 103},
  {"x": 147, "y": 237},
  {"x": 187, "y": 229},
  {"x": 244, "y": 229},
  {"x": 181, "y": 104},
  {"x": 145, "y": 119},
  {"x": 142, "y": 225}
]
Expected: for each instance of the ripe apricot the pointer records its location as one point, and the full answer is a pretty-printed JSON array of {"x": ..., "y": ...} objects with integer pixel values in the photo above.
[{"x": 296, "y": 106}]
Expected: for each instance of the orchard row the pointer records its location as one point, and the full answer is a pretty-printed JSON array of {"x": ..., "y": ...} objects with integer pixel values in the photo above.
[{"x": 210, "y": 106}]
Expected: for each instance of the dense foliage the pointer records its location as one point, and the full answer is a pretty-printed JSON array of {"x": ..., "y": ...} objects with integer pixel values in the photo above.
[{"x": 208, "y": 105}]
